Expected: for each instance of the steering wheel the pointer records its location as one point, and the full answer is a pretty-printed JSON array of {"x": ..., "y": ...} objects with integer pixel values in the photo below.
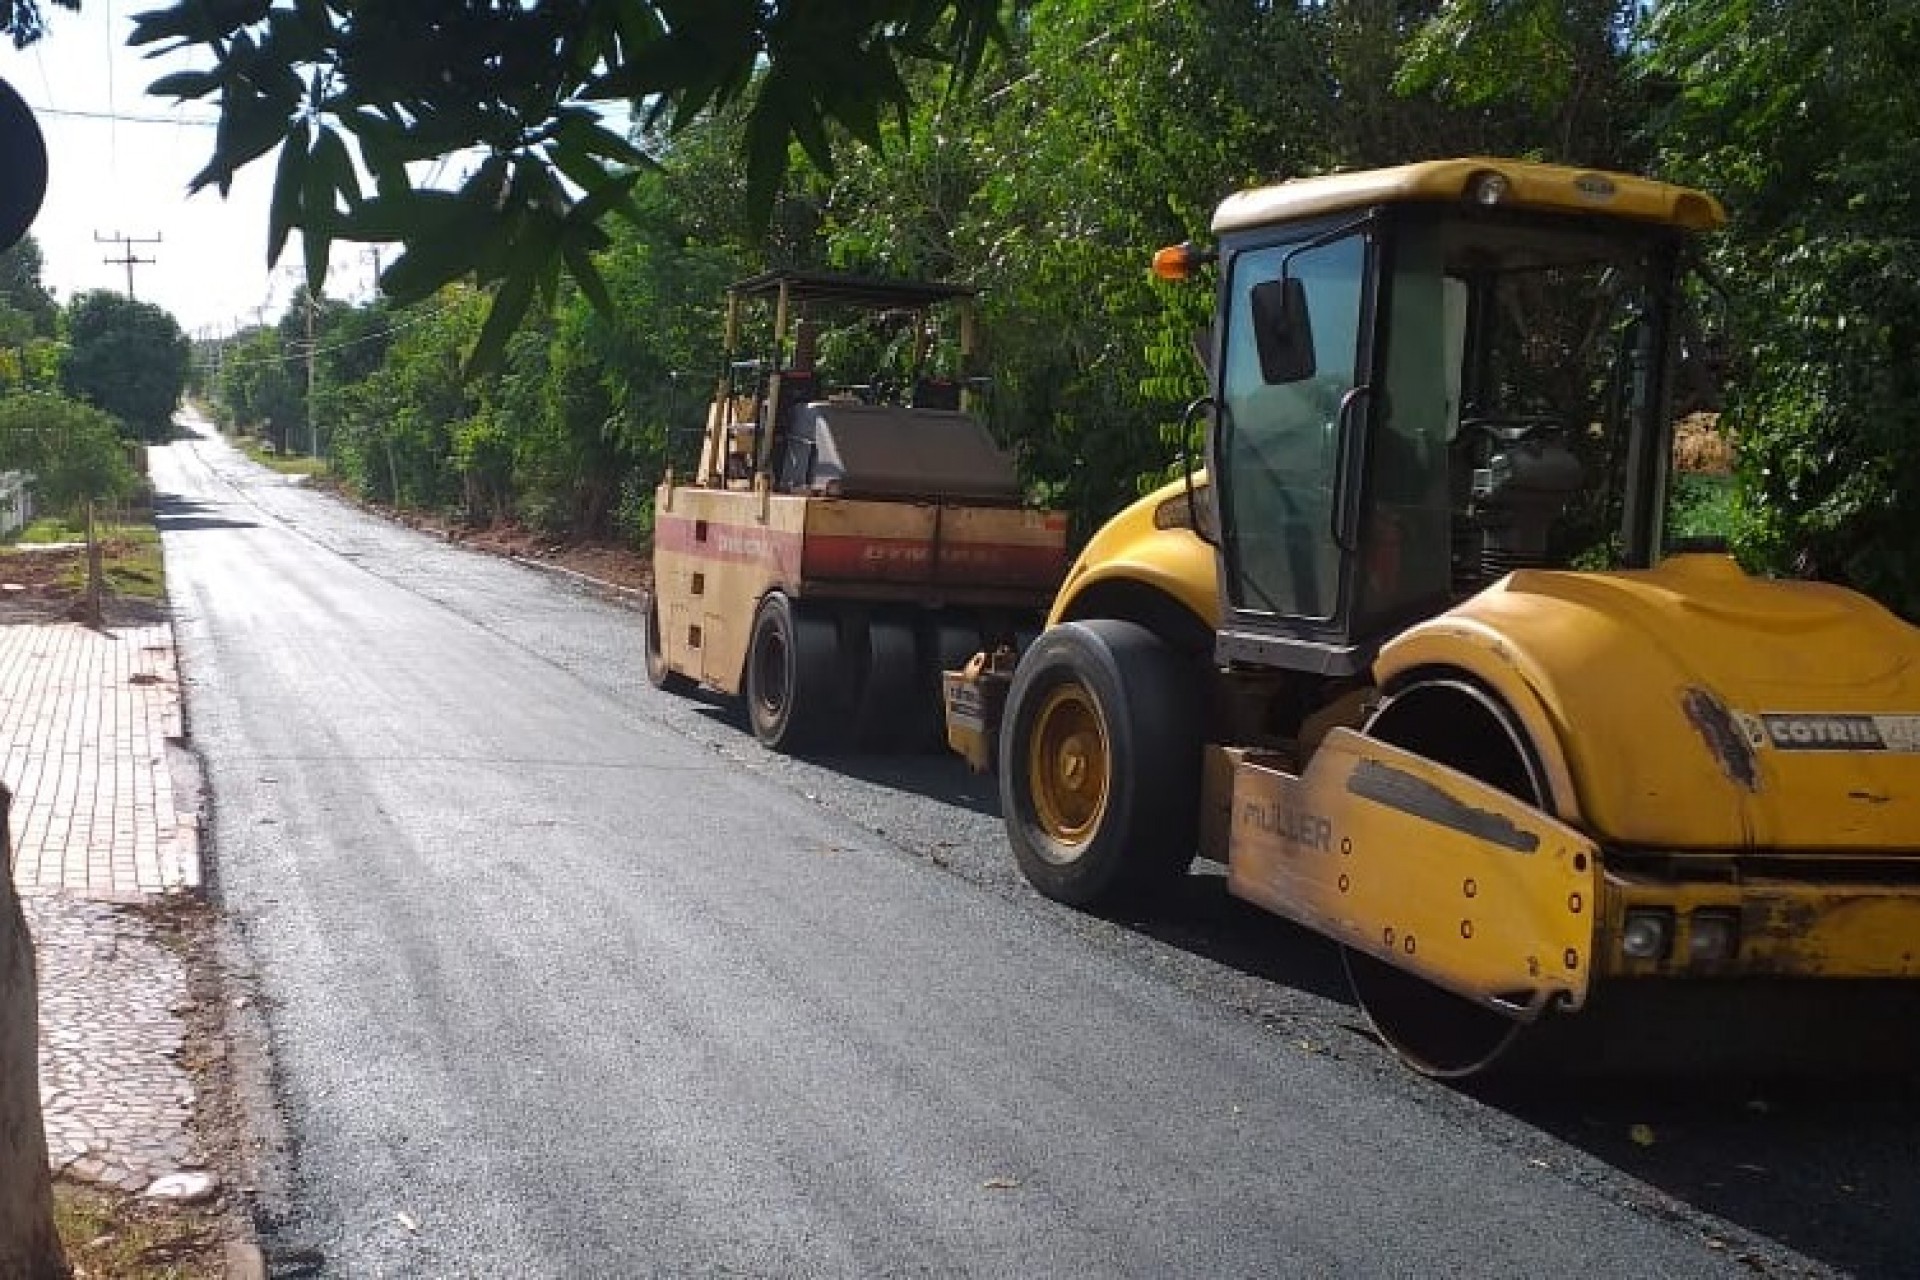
[{"x": 1513, "y": 428}]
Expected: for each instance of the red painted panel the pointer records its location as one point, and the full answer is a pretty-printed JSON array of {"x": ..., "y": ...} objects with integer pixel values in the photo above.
[
  {"x": 912, "y": 560},
  {"x": 778, "y": 549}
]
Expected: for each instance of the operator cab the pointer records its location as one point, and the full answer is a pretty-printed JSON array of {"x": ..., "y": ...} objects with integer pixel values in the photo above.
[
  {"x": 838, "y": 385},
  {"x": 1429, "y": 377}
]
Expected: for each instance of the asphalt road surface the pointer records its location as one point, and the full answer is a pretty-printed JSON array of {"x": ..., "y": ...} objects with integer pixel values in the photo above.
[{"x": 567, "y": 977}]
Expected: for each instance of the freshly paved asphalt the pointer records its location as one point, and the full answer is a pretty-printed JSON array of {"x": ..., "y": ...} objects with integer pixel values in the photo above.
[{"x": 566, "y": 977}]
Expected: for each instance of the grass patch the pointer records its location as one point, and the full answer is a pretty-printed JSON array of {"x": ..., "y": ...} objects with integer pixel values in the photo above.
[
  {"x": 49, "y": 529},
  {"x": 108, "y": 1234},
  {"x": 287, "y": 464},
  {"x": 132, "y": 569},
  {"x": 49, "y": 558}
]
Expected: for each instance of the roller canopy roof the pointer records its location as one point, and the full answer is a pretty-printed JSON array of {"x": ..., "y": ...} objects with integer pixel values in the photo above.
[
  {"x": 1542, "y": 187},
  {"x": 833, "y": 286}
]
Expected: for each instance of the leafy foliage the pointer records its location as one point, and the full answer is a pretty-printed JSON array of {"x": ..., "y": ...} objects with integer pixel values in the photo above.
[
  {"x": 29, "y": 321},
  {"x": 1092, "y": 134},
  {"x": 25, "y": 21},
  {"x": 390, "y": 83},
  {"x": 73, "y": 451},
  {"x": 126, "y": 357},
  {"x": 261, "y": 388},
  {"x": 1822, "y": 174}
]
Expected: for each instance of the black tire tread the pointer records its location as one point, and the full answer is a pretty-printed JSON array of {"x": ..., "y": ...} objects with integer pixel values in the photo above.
[{"x": 1150, "y": 698}]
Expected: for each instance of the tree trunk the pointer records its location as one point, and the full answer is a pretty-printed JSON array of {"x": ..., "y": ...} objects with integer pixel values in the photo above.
[
  {"x": 29, "y": 1248},
  {"x": 95, "y": 575}
]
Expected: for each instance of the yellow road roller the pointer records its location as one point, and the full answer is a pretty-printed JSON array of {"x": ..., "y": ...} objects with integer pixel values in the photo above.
[{"x": 1421, "y": 657}]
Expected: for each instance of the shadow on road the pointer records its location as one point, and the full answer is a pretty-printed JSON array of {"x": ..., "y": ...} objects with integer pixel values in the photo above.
[
  {"x": 173, "y": 514},
  {"x": 1824, "y": 1166},
  {"x": 931, "y": 775},
  {"x": 1203, "y": 919}
]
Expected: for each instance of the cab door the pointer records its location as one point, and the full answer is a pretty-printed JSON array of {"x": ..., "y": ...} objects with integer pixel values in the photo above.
[{"x": 1294, "y": 408}]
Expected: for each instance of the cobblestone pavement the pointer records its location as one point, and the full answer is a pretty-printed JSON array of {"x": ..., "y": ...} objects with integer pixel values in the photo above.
[{"x": 100, "y": 827}]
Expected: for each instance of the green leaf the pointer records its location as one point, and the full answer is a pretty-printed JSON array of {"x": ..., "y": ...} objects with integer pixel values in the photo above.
[
  {"x": 318, "y": 244},
  {"x": 331, "y": 157},
  {"x": 182, "y": 85},
  {"x": 585, "y": 274},
  {"x": 766, "y": 147},
  {"x": 602, "y": 192},
  {"x": 196, "y": 21},
  {"x": 292, "y": 40},
  {"x": 317, "y": 16},
  {"x": 593, "y": 138},
  {"x": 614, "y": 193},
  {"x": 289, "y": 190},
  {"x": 320, "y": 217},
  {"x": 246, "y": 134},
  {"x": 403, "y": 215},
  {"x": 441, "y": 254},
  {"x": 509, "y": 307},
  {"x": 422, "y": 269}
]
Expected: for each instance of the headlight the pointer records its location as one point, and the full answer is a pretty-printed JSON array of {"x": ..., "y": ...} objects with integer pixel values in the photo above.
[
  {"x": 1712, "y": 935},
  {"x": 1647, "y": 934}
]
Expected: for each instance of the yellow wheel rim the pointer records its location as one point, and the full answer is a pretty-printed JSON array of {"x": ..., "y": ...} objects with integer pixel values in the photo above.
[{"x": 1067, "y": 765}]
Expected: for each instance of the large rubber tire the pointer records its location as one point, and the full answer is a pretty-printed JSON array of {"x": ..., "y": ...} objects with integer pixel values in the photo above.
[
  {"x": 892, "y": 708},
  {"x": 1100, "y": 764},
  {"x": 659, "y": 674},
  {"x": 793, "y": 683}
]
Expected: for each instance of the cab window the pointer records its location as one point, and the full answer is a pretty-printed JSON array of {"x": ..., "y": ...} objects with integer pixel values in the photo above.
[{"x": 1281, "y": 439}]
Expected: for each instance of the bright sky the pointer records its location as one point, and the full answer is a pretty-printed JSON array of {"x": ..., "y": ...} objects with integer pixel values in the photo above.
[{"x": 119, "y": 164}]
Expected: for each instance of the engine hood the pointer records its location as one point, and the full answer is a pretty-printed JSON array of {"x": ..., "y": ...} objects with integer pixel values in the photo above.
[{"x": 1694, "y": 707}]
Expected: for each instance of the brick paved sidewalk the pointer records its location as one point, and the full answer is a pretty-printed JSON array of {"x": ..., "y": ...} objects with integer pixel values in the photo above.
[
  {"x": 98, "y": 827},
  {"x": 86, "y": 716}
]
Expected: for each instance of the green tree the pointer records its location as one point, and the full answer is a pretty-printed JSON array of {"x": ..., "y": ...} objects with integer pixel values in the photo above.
[
  {"x": 262, "y": 386},
  {"x": 394, "y": 439},
  {"x": 126, "y": 357},
  {"x": 73, "y": 450},
  {"x": 350, "y": 345},
  {"x": 29, "y": 321},
  {"x": 1107, "y": 131},
  {"x": 619, "y": 387},
  {"x": 22, "y": 290},
  {"x": 1552, "y": 78},
  {"x": 1821, "y": 172}
]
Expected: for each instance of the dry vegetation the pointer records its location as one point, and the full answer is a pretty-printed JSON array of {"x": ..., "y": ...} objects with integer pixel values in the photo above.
[
  {"x": 1700, "y": 447},
  {"x": 111, "y": 1236}
]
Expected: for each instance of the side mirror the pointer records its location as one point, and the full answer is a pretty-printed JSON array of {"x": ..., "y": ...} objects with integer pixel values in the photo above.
[{"x": 1283, "y": 331}]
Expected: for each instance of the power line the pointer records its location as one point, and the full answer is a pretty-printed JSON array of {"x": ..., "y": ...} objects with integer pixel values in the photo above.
[
  {"x": 123, "y": 117},
  {"x": 113, "y": 126},
  {"x": 321, "y": 349}
]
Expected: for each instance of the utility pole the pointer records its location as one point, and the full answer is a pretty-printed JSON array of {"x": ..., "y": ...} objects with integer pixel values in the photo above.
[
  {"x": 127, "y": 257},
  {"x": 313, "y": 424}
]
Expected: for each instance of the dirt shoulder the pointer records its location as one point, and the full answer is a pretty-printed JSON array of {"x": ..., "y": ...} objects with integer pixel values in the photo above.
[
  {"x": 617, "y": 564},
  {"x": 607, "y": 562}
]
